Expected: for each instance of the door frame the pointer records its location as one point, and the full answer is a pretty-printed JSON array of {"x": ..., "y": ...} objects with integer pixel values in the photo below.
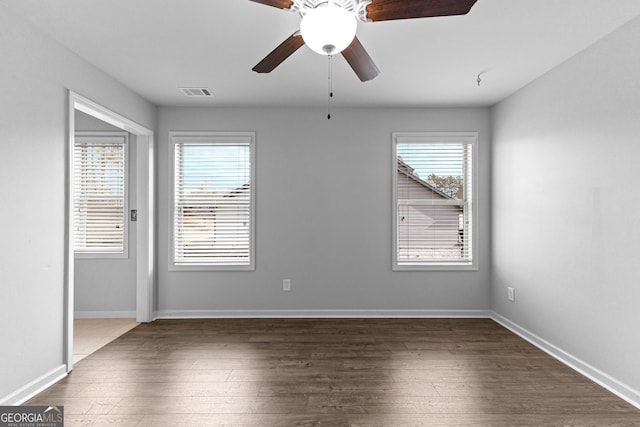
[{"x": 145, "y": 188}]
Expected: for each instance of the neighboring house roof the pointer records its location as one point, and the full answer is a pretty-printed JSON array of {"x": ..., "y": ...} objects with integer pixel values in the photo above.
[
  {"x": 408, "y": 171},
  {"x": 214, "y": 194},
  {"x": 243, "y": 189}
]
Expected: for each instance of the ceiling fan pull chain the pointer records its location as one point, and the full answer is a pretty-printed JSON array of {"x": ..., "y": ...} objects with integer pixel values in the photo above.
[{"x": 330, "y": 72}]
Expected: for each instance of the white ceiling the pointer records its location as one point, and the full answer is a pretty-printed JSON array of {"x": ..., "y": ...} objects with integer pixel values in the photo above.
[{"x": 156, "y": 46}]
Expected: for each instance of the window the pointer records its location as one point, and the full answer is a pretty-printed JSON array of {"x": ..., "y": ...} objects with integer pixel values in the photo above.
[
  {"x": 100, "y": 195},
  {"x": 213, "y": 201},
  {"x": 433, "y": 201}
]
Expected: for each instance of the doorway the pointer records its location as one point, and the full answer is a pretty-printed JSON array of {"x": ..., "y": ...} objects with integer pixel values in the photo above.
[{"x": 142, "y": 256}]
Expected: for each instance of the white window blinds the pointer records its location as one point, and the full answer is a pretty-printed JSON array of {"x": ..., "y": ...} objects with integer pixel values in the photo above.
[
  {"x": 433, "y": 187},
  {"x": 213, "y": 202},
  {"x": 100, "y": 194}
]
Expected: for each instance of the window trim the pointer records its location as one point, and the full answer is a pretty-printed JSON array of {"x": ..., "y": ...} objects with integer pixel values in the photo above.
[
  {"x": 436, "y": 137},
  {"x": 212, "y": 137},
  {"x": 107, "y": 136}
]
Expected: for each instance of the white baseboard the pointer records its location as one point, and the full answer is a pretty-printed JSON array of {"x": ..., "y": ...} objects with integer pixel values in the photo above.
[
  {"x": 104, "y": 314},
  {"x": 34, "y": 387},
  {"x": 204, "y": 314},
  {"x": 613, "y": 385}
]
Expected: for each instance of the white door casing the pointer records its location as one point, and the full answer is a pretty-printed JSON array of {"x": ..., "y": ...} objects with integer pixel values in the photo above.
[{"x": 145, "y": 268}]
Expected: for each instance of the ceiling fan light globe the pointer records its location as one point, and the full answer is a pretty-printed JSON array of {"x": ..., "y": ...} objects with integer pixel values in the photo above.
[{"x": 328, "y": 30}]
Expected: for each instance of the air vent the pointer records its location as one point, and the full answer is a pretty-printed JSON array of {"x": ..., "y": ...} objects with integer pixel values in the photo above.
[{"x": 196, "y": 91}]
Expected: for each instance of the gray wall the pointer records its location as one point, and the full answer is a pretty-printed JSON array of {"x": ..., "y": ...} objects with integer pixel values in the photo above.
[
  {"x": 565, "y": 206},
  {"x": 107, "y": 287},
  {"x": 34, "y": 77},
  {"x": 323, "y": 214}
]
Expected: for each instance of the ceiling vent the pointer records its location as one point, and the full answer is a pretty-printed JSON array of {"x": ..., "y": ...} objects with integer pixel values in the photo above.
[{"x": 196, "y": 91}]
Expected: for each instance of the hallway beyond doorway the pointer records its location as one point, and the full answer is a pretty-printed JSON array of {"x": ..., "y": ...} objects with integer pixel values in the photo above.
[{"x": 89, "y": 335}]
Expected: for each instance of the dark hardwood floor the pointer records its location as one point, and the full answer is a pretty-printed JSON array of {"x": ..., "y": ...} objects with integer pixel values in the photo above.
[{"x": 329, "y": 372}]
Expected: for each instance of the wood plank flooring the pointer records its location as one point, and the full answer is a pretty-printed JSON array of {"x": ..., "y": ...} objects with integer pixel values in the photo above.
[{"x": 329, "y": 372}]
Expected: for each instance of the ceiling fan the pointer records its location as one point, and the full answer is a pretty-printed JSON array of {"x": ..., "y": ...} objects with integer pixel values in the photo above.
[{"x": 329, "y": 27}]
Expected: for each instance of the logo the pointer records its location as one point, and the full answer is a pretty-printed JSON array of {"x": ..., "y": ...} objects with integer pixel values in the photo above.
[{"x": 31, "y": 416}]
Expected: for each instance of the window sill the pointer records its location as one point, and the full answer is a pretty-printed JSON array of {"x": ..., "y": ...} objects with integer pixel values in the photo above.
[
  {"x": 229, "y": 268},
  {"x": 100, "y": 255},
  {"x": 435, "y": 267}
]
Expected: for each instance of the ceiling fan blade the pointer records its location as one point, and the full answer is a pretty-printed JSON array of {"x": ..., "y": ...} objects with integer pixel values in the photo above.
[
  {"x": 280, "y": 4},
  {"x": 360, "y": 61},
  {"x": 280, "y": 53},
  {"x": 387, "y": 10}
]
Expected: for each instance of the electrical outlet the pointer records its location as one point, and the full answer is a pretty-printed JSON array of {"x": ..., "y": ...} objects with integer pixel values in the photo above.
[
  {"x": 511, "y": 293},
  {"x": 286, "y": 285}
]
